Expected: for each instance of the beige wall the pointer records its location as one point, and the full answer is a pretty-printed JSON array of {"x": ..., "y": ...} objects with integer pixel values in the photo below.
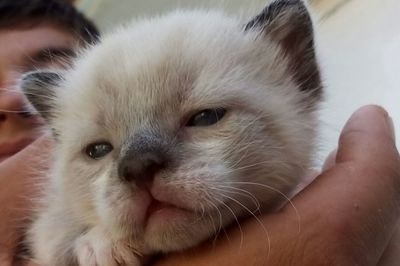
[
  {"x": 360, "y": 55},
  {"x": 108, "y": 13}
]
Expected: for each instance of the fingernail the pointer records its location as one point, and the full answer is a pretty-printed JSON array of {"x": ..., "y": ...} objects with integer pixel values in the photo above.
[
  {"x": 390, "y": 123},
  {"x": 391, "y": 127}
]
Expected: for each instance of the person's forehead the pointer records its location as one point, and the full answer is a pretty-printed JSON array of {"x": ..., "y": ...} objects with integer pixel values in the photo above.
[{"x": 24, "y": 41}]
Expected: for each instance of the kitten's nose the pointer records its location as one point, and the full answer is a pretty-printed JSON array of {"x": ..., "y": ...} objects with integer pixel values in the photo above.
[{"x": 140, "y": 168}]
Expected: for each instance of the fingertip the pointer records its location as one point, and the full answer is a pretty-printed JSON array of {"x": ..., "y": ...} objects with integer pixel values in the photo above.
[
  {"x": 367, "y": 114},
  {"x": 368, "y": 134},
  {"x": 391, "y": 128},
  {"x": 372, "y": 108}
]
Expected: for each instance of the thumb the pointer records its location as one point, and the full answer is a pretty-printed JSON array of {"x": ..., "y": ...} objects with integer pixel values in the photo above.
[
  {"x": 357, "y": 198},
  {"x": 367, "y": 136}
]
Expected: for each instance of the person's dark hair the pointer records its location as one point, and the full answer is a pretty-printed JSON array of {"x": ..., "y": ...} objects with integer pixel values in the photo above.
[{"x": 29, "y": 13}]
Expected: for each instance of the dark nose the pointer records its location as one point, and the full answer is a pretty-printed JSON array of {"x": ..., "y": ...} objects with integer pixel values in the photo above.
[{"x": 140, "y": 168}]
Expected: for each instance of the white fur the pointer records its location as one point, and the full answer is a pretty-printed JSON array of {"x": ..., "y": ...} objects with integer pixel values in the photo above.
[{"x": 151, "y": 75}]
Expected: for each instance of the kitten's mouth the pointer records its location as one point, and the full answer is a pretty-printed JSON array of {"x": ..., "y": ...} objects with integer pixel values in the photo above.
[
  {"x": 163, "y": 211},
  {"x": 156, "y": 205}
]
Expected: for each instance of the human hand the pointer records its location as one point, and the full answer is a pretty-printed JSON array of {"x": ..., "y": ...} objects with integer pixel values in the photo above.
[
  {"x": 19, "y": 178},
  {"x": 347, "y": 216}
]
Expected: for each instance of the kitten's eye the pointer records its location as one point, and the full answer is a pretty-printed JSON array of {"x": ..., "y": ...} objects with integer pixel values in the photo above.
[
  {"x": 98, "y": 150},
  {"x": 206, "y": 117}
]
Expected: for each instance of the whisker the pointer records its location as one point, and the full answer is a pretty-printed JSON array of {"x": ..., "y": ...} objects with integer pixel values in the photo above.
[
  {"x": 220, "y": 220},
  {"x": 237, "y": 221},
  {"x": 249, "y": 166},
  {"x": 257, "y": 219},
  {"x": 245, "y": 193},
  {"x": 27, "y": 93},
  {"x": 277, "y": 191}
]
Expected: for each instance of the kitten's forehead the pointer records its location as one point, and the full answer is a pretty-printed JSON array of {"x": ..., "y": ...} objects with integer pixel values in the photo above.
[
  {"x": 164, "y": 60},
  {"x": 168, "y": 67}
]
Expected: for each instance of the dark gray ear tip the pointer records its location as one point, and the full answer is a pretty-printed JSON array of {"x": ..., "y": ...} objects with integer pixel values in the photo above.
[
  {"x": 298, "y": 4},
  {"x": 270, "y": 12},
  {"x": 289, "y": 24},
  {"x": 40, "y": 89},
  {"x": 27, "y": 78},
  {"x": 40, "y": 79}
]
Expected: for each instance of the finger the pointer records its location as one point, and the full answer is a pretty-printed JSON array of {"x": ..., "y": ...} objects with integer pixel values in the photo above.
[
  {"x": 33, "y": 154},
  {"x": 368, "y": 135},
  {"x": 29, "y": 263},
  {"x": 330, "y": 160},
  {"x": 5, "y": 257},
  {"x": 391, "y": 254},
  {"x": 360, "y": 195},
  {"x": 305, "y": 181}
]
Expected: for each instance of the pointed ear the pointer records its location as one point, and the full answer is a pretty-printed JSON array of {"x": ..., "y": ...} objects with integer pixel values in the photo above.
[
  {"x": 288, "y": 23},
  {"x": 40, "y": 88}
]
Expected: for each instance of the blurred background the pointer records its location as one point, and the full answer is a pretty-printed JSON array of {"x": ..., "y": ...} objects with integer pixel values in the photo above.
[{"x": 358, "y": 43}]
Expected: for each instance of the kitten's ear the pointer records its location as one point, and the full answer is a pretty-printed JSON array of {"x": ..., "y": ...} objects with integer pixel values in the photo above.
[
  {"x": 288, "y": 23},
  {"x": 40, "y": 88}
]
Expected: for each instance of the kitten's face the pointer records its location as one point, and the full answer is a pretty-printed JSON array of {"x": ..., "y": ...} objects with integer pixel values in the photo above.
[{"x": 169, "y": 129}]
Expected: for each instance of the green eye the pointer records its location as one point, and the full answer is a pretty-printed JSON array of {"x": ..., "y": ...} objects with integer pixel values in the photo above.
[
  {"x": 98, "y": 150},
  {"x": 206, "y": 117}
]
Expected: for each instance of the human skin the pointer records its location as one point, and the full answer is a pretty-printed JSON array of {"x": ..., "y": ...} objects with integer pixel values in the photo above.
[
  {"x": 346, "y": 216},
  {"x": 19, "y": 176},
  {"x": 24, "y": 49}
]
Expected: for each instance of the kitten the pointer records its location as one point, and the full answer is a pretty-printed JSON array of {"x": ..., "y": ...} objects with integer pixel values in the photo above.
[{"x": 171, "y": 128}]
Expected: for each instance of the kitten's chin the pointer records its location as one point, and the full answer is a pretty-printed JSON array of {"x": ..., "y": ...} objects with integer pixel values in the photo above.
[
  {"x": 175, "y": 230},
  {"x": 163, "y": 226}
]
